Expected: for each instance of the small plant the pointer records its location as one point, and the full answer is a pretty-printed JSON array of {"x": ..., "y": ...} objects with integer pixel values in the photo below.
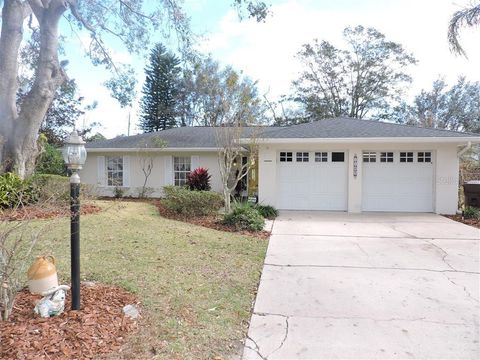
[
  {"x": 192, "y": 203},
  {"x": 118, "y": 192},
  {"x": 15, "y": 192},
  {"x": 471, "y": 213},
  {"x": 199, "y": 180},
  {"x": 267, "y": 211},
  {"x": 245, "y": 217},
  {"x": 52, "y": 187}
]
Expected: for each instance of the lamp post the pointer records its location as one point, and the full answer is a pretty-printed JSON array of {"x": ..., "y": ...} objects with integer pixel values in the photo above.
[{"x": 74, "y": 155}]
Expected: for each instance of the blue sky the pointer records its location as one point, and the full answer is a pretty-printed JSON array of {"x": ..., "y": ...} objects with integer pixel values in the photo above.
[{"x": 266, "y": 51}]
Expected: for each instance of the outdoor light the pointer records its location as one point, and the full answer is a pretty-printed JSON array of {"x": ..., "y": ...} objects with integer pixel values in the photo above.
[{"x": 75, "y": 155}]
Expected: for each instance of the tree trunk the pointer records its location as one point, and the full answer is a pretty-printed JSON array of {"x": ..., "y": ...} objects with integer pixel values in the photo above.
[
  {"x": 19, "y": 130},
  {"x": 226, "y": 196}
]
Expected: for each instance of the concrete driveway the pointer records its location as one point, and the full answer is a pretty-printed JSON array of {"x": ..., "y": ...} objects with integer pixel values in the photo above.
[{"x": 368, "y": 286}]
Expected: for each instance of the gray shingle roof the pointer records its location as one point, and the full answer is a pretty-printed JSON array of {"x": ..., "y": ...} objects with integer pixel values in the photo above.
[
  {"x": 183, "y": 137},
  {"x": 358, "y": 128},
  {"x": 204, "y": 137}
]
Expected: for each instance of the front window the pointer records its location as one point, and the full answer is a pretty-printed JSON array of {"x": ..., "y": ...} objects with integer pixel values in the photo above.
[
  {"x": 181, "y": 169},
  {"x": 115, "y": 171}
]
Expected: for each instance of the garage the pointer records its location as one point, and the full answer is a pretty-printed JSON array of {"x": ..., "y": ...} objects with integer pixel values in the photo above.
[
  {"x": 398, "y": 181},
  {"x": 312, "y": 180}
]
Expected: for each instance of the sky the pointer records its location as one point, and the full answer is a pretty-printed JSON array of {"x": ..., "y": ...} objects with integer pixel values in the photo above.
[{"x": 266, "y": 51}]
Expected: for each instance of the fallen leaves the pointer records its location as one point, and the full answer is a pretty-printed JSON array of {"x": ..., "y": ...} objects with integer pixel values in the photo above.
[
  {"x": 98, "y": 328},
  {"x": 44, "y": 212}
]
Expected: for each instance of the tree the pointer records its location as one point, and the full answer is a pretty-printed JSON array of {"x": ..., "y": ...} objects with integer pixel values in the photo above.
[
  {"x": 470, "y": 17},
  {"x": 455, "y": 108},
  {"x": 129, "y": 22},
  {"x": 364, "y": 79},
  {"x": 211, "y": 96},
  {"x": 160, "y": 91}
]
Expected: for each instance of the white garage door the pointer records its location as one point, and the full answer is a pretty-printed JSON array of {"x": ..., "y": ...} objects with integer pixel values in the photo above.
[
  {"x": 398, "y": 181},
  {"x": 312, "y": 180}
]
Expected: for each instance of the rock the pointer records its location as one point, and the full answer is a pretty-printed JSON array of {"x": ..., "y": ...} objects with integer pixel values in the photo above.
[
  {"x": 131, "y": 311},
  {"x": 88, "y": 283}
]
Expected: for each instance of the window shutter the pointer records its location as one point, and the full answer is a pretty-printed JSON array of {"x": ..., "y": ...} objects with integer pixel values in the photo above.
[
  {"x": 126, "y": 171},
  {"x": 194, "y": 162},
  {"x": 101, "y": 171},
  {"x": 168, "y": 170}
]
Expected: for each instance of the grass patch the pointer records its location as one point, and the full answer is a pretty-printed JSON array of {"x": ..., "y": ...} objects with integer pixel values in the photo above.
[{"x": 196, "y": 284}]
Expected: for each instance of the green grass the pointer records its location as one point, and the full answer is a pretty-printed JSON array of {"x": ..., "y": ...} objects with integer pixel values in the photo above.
[{"x": 196, "y": 285}]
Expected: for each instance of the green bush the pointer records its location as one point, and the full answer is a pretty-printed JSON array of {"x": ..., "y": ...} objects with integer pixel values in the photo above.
[
  {"x": 192, "y": 203},
  {"x": 52, "y": 187},
  {"x": 50, "y": 161},
  {"x": 267, "y": 211},
  {"x": 471, "y": 213},
  {"x": 245, "y": 217},
  {"x": 15, "y": 192}
]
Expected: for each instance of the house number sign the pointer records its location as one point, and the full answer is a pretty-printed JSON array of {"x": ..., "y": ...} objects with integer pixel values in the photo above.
[{"x": 355, "y": 165}]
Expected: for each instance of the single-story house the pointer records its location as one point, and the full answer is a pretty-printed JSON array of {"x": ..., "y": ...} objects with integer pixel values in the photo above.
[{"x": 338, "y": 164}]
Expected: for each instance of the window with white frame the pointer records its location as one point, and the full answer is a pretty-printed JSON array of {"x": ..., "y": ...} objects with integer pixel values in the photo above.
[
  {"x": 406, "y": 157},
  {"x": 286, "y": 156},
  {"x": 181, "y": 169},
  {"x": 114, "y": 170},
  {"x": 369, "y": 156},
  {"x": 424, "y": 157},
  {"x": 302, "y": 156},
  {"x": 386, "y": 157},
  {"x": 321, "y": 156},
  {"x": 338, "y": 156}
]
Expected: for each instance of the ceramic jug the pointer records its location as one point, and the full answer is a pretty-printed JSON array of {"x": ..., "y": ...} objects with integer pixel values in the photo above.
[{"x": 42, "y": 275}]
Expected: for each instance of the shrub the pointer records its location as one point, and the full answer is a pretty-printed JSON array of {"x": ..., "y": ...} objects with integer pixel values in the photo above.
[
  {"x": 15, "y": 192},
  {"x": 199, "y": 180},
  {"x": 245, "y": 217},
  {"x": 118, "y": 192},
  {"x": 50, "y": 161},
  {"x": 471, "y": 213},
  {"x": 267, "y": 211},
  {"x": 192, "y": 203},
  {"x": 52, "y": 187}
]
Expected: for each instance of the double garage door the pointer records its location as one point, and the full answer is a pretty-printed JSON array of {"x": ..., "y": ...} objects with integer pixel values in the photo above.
[{"x": 391, "y": 180}]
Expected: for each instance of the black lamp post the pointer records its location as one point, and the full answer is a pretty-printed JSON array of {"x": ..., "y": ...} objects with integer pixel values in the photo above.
[{"x": 74, "y": 155}]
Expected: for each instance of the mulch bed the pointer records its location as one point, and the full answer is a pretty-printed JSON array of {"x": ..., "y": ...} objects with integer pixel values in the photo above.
[
  {"x": 212, "y": 222},
  {"x": 98, "y": 328},
  {"x": 471, "y": 222},
  {"x": 44, "y": 212}
]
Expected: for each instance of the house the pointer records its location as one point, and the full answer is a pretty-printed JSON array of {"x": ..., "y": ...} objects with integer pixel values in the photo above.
[{"x": 339, "y": 164}]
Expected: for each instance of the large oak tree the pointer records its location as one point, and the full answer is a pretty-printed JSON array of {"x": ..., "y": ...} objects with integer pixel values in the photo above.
[
  {"x": 363, "y": 79},
  {"x": 129, "y": 21}
]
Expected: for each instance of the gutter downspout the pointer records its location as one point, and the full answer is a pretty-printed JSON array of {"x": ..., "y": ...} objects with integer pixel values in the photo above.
[{"x": 465, "y": 149}]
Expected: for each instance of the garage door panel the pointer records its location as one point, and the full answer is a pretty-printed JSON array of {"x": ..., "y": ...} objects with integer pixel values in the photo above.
[
  {"x": 397, "y": 186},
  {"x": 312, "y": 185}
]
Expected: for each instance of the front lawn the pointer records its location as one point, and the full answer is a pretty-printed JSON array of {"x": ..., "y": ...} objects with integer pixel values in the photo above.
[{"x": 196, "y": 284}]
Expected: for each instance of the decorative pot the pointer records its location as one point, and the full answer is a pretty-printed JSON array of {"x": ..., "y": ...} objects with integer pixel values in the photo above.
[{"x": 42, "y": 275}]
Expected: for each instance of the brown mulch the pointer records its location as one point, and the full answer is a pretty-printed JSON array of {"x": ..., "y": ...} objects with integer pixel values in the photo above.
[
  {"x": 212, "y": 222},
  {"x": 44, "y": 212},
  {"x": 471, "y": 222},
  {"x": 98, "y": 328}
]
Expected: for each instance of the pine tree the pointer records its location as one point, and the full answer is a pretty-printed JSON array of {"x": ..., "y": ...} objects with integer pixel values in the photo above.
[{"x": 160, "y": 91}]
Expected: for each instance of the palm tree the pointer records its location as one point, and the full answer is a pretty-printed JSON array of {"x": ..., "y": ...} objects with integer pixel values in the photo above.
[{"x": 466, "y": 17}]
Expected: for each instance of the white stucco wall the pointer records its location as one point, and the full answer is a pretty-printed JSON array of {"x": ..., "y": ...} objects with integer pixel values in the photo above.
[
  {"x": 162, "y": 171},
  {"x": 445, "y": 186}
]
